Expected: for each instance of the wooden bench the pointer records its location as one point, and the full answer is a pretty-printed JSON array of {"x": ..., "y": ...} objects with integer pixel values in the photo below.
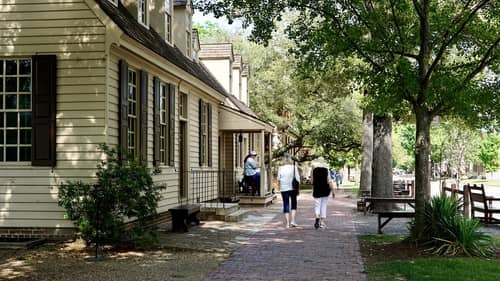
[
  {"x": 483, "y": 204},
  {"x": 392, "y": 213},
  {"x": 183, "y": 216}
]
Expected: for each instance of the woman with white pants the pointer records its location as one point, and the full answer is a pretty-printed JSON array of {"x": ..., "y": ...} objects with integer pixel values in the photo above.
[{"x": 322, "y": 186}]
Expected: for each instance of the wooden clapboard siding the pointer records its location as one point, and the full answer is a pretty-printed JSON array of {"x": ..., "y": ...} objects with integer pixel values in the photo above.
[{"x": 70, "y": 30}]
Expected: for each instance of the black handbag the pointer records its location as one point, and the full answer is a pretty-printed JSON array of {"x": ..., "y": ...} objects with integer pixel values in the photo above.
[{"x": 295, "y": 182}]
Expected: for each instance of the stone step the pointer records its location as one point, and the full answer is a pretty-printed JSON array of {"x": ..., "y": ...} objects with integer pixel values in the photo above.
[{"x": 236, "y": 216}]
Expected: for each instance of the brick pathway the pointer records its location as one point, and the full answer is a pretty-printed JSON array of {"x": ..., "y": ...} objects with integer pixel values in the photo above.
[{"x": 303, "y": 253}]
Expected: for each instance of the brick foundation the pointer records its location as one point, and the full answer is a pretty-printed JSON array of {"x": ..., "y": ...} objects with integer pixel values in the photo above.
[
  {"x": 162, "y": 220},
  {"x": 38, "y": 232}
]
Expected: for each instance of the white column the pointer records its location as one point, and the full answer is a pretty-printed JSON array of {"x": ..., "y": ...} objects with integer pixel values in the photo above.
[{"x": 263, "y": 172}]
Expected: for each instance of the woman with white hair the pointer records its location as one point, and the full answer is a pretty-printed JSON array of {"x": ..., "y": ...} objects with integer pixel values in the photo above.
[
  {"x": 286, "y": 173},
  {"x": 322, "y": 186}
]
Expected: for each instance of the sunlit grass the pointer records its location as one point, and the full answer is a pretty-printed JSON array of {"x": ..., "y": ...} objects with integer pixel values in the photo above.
[{"x": 436, "y": 269}]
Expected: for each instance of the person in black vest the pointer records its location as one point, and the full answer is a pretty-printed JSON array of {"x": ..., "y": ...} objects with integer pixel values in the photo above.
[{"x": 322, "y": 187}]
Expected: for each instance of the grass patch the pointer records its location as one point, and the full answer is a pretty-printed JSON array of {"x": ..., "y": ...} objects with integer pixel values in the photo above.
[
  {"x": 496, "y": 240},
  {"x": 436, "y": 269},
  {"x": 377, "y": 238}
]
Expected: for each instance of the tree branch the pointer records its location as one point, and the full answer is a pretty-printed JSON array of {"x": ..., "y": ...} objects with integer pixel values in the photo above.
[
  {"x": 452, "y": 38},
  {"x": 483, "y": 63}
]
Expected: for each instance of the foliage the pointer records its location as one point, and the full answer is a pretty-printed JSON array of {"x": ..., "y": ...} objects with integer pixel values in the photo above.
[
  {"x": 453, "y": 143},
  {"x": 449, "y": 233},
  {"x": 123, "y": 191},
  {"x": 424, "y": 58},
  {"x": 489, "y": 153},
  {"x": 330, "y": 119}
]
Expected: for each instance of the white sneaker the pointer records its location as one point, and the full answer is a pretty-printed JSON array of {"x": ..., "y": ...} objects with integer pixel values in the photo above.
[
  {"x": 322, "y": 225},
  {"x": 292, "y": 224}
]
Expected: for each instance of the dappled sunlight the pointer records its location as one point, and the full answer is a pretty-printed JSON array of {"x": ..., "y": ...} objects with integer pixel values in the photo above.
[{"x": 13, "y": 269}]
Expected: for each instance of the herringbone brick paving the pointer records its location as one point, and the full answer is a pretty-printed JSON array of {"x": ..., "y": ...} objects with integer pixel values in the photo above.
[{"x": 303, "y": 253}]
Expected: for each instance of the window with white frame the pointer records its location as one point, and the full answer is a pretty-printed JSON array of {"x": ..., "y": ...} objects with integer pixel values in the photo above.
[
  {"x": 132, "y": 117},
  {"x": 168, "y": 21},
  {"x": 142, "y": 11},
  {"x": 15, "y": 110}
]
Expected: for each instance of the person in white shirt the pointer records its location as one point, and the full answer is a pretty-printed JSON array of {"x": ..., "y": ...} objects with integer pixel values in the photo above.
[{"x": 285, "y": 175}]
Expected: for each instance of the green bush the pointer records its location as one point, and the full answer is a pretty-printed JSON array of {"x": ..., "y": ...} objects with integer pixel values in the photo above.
[
  {"x": 123, "y": 191},
  {"x": 449, "y": 233}
]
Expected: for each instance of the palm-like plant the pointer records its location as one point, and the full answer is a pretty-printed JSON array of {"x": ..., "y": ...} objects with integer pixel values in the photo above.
[{"x": 451, "y": 234}]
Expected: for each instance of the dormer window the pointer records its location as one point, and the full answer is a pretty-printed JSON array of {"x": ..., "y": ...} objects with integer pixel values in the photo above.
[
  {"x": 168, "y": 21},
  {"x": 142, "y": 11}
]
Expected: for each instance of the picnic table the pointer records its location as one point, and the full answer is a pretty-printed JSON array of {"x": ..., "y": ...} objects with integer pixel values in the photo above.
[{"x": 391, "y": 212}]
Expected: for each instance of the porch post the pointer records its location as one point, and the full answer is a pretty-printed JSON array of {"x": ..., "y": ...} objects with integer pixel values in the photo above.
[{"x": 263, "y": 172}]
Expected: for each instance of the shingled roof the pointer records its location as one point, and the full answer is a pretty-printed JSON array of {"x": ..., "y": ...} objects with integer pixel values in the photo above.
[
  {"x": 153, "y": 41},
  {"x": 218, "y": 50}
]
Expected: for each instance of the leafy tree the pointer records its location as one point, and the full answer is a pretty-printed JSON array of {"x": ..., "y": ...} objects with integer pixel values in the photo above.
[
  {"x": 328, "y": 121},
  {"x": 209, "y": 32},
  {"x": 432, "y": 57},
  {"x": 489, "y": 153}
]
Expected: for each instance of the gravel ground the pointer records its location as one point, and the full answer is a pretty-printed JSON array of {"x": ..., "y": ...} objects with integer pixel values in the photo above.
[{"x": 182, "y": 256}]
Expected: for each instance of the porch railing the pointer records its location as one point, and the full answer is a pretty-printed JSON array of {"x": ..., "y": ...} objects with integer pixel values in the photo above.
[{"x": 214, "y": 187}]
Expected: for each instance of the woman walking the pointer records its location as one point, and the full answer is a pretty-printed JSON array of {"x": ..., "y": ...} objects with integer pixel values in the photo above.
[
  {"x": 322, "y": 186},
  {"x": 286, "y": 172}
]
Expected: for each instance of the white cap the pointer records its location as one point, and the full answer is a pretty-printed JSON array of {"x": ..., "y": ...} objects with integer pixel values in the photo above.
[{"x": 253, "y": 152}]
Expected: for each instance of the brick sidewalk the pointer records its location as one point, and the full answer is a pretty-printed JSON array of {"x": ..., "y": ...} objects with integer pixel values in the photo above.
[{"x": 303, "y": 253}]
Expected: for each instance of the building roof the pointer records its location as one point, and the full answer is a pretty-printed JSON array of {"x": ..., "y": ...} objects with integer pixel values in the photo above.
[
  {"x": 153, "y": 41},
  {"x": 245, "y": 71},
  {"x": 237, "y": 61},
  {"x": 217, "y": 50},
  {"x": 242, "y": 107}
]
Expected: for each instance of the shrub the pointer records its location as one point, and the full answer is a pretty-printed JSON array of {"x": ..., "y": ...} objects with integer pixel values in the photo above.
[
  {"x": 123, "y": 191},
  {"x": 449, "y": 233}
]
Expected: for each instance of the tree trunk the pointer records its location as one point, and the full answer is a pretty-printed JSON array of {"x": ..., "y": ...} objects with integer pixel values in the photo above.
[
  {"x": 422, "y": 158},
  {"x": 365, "y": 181},
  {"x": 382, "y": 158}
]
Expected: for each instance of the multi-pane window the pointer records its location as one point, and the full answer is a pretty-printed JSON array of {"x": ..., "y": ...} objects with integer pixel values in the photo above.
[
  {"x": 204, "y": 134},
  {"x": 168, "y": 21},
  {"x": 183, "y": 106},
  {"x": 132, "y": 113},
  {"x": 15, "y": 110},
  {"x": 163, "y": 123},
  {"x": 142, "y": 11}
]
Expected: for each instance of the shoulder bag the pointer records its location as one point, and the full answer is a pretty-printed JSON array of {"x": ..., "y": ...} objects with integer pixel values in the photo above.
[{"x": 295, "y": 182}]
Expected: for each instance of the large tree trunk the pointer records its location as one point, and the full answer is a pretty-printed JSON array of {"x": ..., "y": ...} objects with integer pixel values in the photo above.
[
  {"x": 422, "y": 160},
  {"x": 382, "y": 158},
  {"x": 365, "y": 181}
]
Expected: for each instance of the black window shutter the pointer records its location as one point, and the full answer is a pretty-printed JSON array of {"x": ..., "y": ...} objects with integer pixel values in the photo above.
[
  {"x": 209, "y": 133},
  {"x": 43, "y": 138},
  {"x": 144, "y": 117},
  {"x": 171, "y": 124},
  {"x": 200, "y": 129},
  {"x": 156, "y": 121},
  {"x": 123, "y": 90}
]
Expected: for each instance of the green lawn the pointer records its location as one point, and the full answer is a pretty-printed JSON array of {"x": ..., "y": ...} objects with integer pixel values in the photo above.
[{"x": 435, "y": 268}]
